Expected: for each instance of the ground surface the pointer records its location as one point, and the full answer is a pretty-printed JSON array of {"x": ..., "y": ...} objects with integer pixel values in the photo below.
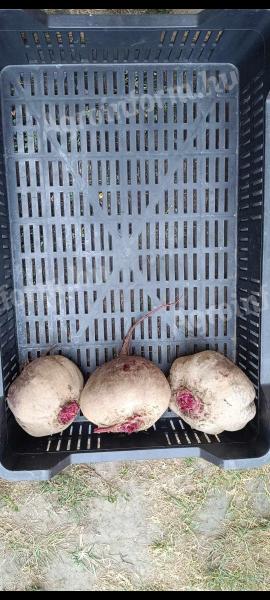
[{"x": 179, "y": 525}]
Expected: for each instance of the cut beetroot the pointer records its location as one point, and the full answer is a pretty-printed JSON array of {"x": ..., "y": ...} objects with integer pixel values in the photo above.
[
  {"x": 68, "y": 413},
  {"x": 188, "y": 403}
]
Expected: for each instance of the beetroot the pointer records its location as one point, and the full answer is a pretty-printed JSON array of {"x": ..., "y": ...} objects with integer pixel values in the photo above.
[
  {"x": 211, "y": 393},
  {"x": 45, "y": 397},
  {"x": 127, "y": 395}
]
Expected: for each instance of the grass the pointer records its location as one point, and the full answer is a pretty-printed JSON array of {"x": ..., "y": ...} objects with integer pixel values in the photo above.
[
  {"x": 237, "y": 557},
  {"x": 222, "y": 581},
  {"x": 163, "y": 546},
  {"x": 240, "y": 560},
  {"x": 124, "y": 471},
  {"x": 187, "y": 506},
  {"x": 31, "y": 549},
  {"x": 190, "y": 462},
  {"x": 172, "y": 494},
  {"x": 71, "y": 491},
  {"x": 11, "y": 496},
  {"x": 9, "y": 503},
  {"x": 85, "y": 558},
  {"x": 35, "y": 587}
]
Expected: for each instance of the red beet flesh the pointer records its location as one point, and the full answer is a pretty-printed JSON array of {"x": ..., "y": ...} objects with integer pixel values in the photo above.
[
  {"x": 68, "y": 413},
  {"x": 188, "y": 403},
  {"x": 129, "y": 427}
]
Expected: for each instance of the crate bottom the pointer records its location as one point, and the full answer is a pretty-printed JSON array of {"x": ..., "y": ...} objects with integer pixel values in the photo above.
[
  {"x": 27, "y": 458},
  {"x": 169, "y": 432}
]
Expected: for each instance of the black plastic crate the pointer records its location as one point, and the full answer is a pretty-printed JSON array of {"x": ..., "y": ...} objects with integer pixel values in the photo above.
[{"x": 132, "y": 173}]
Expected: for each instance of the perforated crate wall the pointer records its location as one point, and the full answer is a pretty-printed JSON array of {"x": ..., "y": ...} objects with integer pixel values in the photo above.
[{"x": 132, "y": 207}]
